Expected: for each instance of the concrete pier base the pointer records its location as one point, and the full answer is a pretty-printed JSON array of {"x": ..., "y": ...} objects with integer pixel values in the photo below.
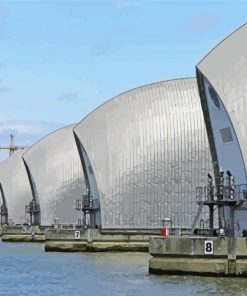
[
  {"x": 95, "y": 241},
  {"x": 65, "y": 246},
  {"x": 22, "y": 238},
  {"x": 80, "y": 239},
  {"x": 23, "y": 234},
  {"x": 209, "y": 256},
  {"x": 72, "y": 246},
  {"x": 197, "y": 266}
]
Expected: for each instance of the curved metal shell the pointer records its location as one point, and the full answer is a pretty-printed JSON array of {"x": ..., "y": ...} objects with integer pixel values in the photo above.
[
  {"x": 16, "y": 187},
  {"x": 222, "y": 77},
  {"x": 55, "y": 169},
  {"x": 149, "y": 151}
]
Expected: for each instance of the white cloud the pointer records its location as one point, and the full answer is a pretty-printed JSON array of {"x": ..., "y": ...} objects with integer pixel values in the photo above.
[
  {"x": 26, "y": 132},
  {"x": 21, "y": 127},
  {"x": 24, "y": 127}
]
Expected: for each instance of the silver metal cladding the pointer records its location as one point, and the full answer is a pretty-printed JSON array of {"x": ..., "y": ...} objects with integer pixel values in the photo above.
[
  {"x": 148, "y": 149},
  {"x": 222, "y": 74},
  {"x": 16, "y": 187},
  {"x": 222, "y": 81},
  {"x": 55, "y": 168}
]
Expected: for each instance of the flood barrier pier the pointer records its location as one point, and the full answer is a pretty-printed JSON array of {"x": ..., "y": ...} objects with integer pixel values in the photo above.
[
  {"x": 23, "y": 234},
  {"x": 95, "y": 240},
  {"x": 74, "y": 238},
  {"x": 209, "y": 256}
]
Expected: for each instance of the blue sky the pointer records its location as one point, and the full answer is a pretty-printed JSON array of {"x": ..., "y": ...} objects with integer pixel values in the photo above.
[{"x": 61, "y": 59}]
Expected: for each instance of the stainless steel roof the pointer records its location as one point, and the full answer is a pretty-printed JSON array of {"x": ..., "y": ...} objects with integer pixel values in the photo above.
[
  {"x": 56, "y": 170},
  {"x": 225, "y": 67},
  {"x": 148, "y": 150},
  {"x": 222, "y": 78},
  {"x": 16, "y": 187}
]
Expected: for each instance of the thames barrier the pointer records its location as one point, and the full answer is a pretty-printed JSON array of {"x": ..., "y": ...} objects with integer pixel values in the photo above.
[{"x": 160, "y": 168}]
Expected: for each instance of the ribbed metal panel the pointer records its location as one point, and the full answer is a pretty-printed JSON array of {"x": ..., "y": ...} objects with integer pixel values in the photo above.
[
  {"x": 56, "y": 170},
  {"x": 222, "y": 80},
  {"x": 16, "y": 187},
  {"x": 149, "y": 150},
  {"x": 225, "y": 68}
]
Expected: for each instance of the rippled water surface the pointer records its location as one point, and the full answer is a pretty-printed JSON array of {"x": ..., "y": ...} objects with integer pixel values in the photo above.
[{"x": 27, "y": 270}]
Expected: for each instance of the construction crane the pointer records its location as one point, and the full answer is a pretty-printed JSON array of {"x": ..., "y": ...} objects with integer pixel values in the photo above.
[{"x": 12, "y": 147}]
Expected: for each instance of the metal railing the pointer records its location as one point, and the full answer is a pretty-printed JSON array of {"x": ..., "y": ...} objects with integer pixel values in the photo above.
[
  {"x": 206, "y": 193},
  {"x": 4, "y": 214},
  {"x": 3, "y": 210},
  {"x": 32, "y": 208},
  {"x": 87, "y": 203}
]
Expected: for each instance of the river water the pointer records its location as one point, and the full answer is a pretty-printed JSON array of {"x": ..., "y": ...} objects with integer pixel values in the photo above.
[{"x": 27, "y": 270}]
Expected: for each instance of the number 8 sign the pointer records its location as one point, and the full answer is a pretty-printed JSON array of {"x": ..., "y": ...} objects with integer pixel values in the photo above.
[{"x": 208, "y": 247}]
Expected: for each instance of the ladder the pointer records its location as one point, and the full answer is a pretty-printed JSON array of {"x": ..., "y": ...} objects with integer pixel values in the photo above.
[{"x": 201, "y": 205}]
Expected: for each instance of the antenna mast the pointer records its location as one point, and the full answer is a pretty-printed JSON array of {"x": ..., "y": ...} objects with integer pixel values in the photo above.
[{"x": 12, "y": 147}]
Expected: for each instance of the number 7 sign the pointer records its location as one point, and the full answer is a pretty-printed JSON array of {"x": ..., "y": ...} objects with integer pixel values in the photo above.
[{"x": 77, "y": 234}]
